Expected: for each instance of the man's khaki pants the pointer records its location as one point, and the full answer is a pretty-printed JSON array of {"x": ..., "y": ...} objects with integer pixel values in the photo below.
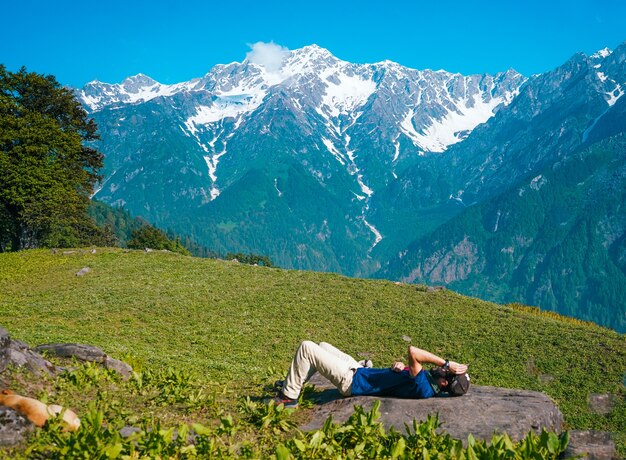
[{"x": 335, "y": 365}]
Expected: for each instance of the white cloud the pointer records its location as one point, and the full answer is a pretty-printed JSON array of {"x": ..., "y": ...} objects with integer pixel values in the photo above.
[{"x": 269, "y": 55}]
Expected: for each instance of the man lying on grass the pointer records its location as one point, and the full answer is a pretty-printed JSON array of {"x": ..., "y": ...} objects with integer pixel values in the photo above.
[{"x": 354, "y": 378}]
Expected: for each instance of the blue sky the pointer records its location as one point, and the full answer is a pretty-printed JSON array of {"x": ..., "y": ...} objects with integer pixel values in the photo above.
[{"x": 174, "y": 41}]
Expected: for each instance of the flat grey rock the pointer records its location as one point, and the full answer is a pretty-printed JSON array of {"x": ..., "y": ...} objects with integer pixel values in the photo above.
[
  {"x": 73, "y": 350},
  {"x": 482, "y": 412}
]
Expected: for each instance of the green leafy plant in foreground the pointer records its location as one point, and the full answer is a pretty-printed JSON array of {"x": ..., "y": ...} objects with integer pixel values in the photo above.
[
  {"x": 88, "y": 375},
  {"x": 361, "y": 436},
  {"x": 267, "y": 416},
  {"x": 257, "y": 430}
]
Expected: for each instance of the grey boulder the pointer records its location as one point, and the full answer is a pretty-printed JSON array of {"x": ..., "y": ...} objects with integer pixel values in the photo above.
[
  {"x": 17, "y": 353},
  {"x": 14, "y": 427},
  {"x": 482, "y": 412}
]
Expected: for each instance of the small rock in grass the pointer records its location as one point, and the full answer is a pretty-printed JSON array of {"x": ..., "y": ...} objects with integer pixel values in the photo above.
[
  {"x": 601, "y": 403},
  {"x": 546, "y": 378},
  {"x": 93, "y": 251},
  {"x": 406, "y": 338},
  {"x": 129, "y": 430},
  {"x": 122, "y": 368},
  {"x": 83, "y": 271},
  {"x": 597, "y": 445},
  {"x": 147, "y": 249}
]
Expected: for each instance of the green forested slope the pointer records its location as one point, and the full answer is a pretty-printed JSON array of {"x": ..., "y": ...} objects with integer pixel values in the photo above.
[{"x": 556, "y": 239}]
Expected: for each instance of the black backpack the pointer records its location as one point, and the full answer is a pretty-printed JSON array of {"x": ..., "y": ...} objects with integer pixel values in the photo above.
[{"x": 458, "y": 384}]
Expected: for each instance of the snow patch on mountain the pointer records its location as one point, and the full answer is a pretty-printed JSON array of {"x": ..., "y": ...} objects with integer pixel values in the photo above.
[
  {"x": 537, "y": 182},
  {"x": 345, "y": 93},
  {"x": 211, "y": 162},
  {"x": 396, "y": 146},
  {"x": 377, "y": 235},
  {"x": 454, "y": 126},
  {"x": 278, "y": 191},
  {"x": 604, "y": 52},
  {"x": 332, "y": 149},
  {"x": 613, "y": 96},
  {"x": 224, "y": 106}
]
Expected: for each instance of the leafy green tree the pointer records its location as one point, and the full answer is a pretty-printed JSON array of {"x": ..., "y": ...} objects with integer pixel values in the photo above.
[
  {"x": 47, "y": 168},
  {"x": 153, "y": 238}
]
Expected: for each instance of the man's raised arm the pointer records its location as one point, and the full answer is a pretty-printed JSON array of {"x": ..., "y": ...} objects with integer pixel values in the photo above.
[{"x": 417, "y": 356}]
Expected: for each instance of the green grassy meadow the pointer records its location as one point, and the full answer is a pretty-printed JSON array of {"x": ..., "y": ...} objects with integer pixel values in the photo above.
[{"x": 234, "y": 325}]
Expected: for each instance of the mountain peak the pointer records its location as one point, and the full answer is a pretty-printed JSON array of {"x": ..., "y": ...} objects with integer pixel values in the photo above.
[
  {"x": 604, "y": 52},
  {"x": 313, "y": 53},
  {"x": 138, "y": 81},
  {"x": 313, "y": 49},
  {"x": 309, "y": 59}
]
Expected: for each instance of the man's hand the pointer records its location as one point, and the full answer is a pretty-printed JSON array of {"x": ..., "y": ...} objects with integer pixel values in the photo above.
[
  {"x": 457, "y": 368},
  {"x": 398, "y": 366}
]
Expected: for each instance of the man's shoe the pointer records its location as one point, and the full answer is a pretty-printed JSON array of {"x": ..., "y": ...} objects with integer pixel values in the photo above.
[
  {"x": 278, "y": 385},
  {"x": 288, "y": 403},
  {"x": 366, "y": 363}
]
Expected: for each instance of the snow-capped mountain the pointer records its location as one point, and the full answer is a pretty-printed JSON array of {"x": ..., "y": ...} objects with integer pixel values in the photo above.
[
  {"x": 435, "y": 108},
  {"x": 325, "y": 164},
  {"x": 372, "y": 119}
]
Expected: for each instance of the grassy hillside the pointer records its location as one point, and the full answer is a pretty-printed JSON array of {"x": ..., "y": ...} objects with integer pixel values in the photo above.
[{"x": 234, "y": 324}]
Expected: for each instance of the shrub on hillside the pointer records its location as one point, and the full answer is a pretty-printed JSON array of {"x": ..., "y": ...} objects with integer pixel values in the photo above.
[
  {"x": 153, "y": 238},
  {"x": 251, "y": 259}
]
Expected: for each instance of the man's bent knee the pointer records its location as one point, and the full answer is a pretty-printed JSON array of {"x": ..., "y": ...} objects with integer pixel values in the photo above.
[
  {"x": 307, "y": 345},
  {"x": 307, "y": 348}
]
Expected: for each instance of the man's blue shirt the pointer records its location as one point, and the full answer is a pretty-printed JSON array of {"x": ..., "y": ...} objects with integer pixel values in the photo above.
[{"x": 386, "y": 382}]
